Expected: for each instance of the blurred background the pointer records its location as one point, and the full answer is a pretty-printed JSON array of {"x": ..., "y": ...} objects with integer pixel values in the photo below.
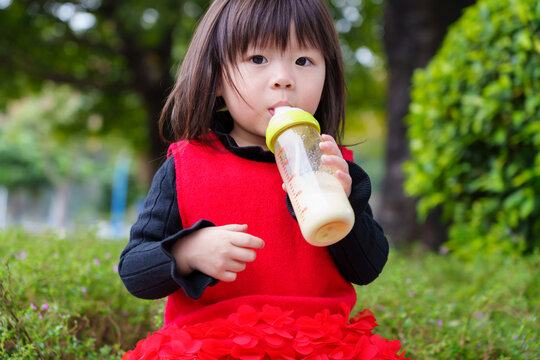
[
  {"x": 82, "y": 84},
  {"x": 443, "y": 101}
]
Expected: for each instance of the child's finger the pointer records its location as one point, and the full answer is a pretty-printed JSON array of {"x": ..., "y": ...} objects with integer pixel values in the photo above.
[
  {"x": 237, "y": 266},
  {"x": 227, "y": 276},
  {"x": 329, "y": 146},
  {"x": 341, "y": 171},
  {"x": 243, "y": 254},
  {"x": 336, "y": 162},
  {"x": 248, "y": 241},
  {"x": 345, "y": 180},
  {"x": 326, "y": 137},
  {"x": 235, "y": 227}
]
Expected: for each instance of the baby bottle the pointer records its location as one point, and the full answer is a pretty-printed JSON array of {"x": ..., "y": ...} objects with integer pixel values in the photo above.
[{"x": 321, "y": 206}]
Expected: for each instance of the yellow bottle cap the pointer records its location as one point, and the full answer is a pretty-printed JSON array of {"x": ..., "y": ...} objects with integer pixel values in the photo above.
[{"x": 284, "y": 118}]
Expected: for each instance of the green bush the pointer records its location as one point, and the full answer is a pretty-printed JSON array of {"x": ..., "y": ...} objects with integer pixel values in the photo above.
[
  {"x": 474, "y": 129},
  {"x": 61, "y": 298}
]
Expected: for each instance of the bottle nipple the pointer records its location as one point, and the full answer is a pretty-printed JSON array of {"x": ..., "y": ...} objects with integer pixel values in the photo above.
[{"x": 281, "y": 110}]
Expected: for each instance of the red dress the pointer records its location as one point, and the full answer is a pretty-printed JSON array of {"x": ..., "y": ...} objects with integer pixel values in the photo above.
[{"x": 290, "y": 303}]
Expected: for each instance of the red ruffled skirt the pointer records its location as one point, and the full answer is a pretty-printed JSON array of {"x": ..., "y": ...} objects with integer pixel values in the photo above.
[{"x": 271, "y": 333}]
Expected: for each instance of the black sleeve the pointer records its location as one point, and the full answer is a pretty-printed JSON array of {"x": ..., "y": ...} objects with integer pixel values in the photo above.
[
  {"x": 362, "y": 254},
  {"x": 146, "y": 265}
]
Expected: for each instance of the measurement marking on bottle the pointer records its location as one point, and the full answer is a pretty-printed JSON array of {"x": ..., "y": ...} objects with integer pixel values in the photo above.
[
  {"x": 303, "y": 213},
  {"x": 288, "y": 177}
]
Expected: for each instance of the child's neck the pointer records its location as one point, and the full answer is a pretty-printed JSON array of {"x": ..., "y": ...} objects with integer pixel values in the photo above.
[{"x": 244, "y": 139}]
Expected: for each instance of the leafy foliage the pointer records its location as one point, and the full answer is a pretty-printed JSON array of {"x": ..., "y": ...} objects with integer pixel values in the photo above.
[
  {"x": 475, "y": 129},
  {"x": 38, "y": 46},
  {"x": 62, "y": 298},
  {"x": 122, "y": 56}
]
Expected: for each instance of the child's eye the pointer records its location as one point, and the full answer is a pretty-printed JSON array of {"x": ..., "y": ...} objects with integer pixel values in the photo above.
[
  {"x": 258, "y": 59},
  {"x": 303, "y": 61}
]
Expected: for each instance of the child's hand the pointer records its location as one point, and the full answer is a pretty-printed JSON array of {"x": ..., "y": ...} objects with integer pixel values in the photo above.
[
  {"x": 218, "y": 251},
  {"x": 333, "y": 158}
]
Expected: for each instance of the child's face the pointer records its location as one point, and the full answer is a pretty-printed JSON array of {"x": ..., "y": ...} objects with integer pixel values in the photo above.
[{"x": 268, "y": 78}]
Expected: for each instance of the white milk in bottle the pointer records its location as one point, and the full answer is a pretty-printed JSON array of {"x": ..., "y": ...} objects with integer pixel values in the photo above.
[{"x": 320, "y": 204}]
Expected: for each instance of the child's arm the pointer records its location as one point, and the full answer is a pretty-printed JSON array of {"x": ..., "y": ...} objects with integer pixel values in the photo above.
[
  {"x": 146, "y": 265},
  {"x": 162, "y": 257},
  {"x": 362, "y": 254}
]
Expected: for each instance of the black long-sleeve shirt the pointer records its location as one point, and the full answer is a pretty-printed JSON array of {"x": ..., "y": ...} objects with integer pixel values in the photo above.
[{"x": 148, "y": 268}]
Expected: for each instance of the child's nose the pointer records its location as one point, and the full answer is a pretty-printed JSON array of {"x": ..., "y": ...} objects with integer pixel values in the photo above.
[
  {"x": 282, "y": 78},
  {"x": 282, "y": 83}
]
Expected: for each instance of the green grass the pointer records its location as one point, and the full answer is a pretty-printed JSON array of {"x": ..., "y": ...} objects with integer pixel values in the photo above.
[
  {"x": 442, "y": 307},
  {"x": 63, "y": 299}
]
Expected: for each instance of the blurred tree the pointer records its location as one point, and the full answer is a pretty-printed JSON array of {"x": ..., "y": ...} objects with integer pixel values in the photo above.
[
  {"x": 122, "y": 56},
  {"x": 118, "y": 53},
  {"x": 36, "y": 156},
  {"x": 414, "y": 30},
  {"x": 35, "y": 152}
]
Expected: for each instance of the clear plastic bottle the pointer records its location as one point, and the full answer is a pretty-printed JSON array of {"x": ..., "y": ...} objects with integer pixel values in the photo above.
[{"x": 322, "y": 208}]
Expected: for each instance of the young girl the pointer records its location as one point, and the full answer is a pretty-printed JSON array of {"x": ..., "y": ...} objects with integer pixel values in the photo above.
[{"x": 218, "y": 235}]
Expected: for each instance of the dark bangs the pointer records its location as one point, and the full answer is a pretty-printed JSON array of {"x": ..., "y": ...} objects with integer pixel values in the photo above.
[{"x": 264, "y": 23}]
